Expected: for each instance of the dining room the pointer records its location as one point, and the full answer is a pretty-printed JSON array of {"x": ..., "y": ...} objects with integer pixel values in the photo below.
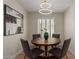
[{"x": 39, "y": 29}]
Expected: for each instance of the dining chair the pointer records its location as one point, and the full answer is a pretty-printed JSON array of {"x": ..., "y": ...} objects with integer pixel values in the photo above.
[
  {"x": 59, "y": 53},
  {"x": 35, "y": 36},
  {"x": 56, "y": 36},
  {"x": 31, "y": 53}
]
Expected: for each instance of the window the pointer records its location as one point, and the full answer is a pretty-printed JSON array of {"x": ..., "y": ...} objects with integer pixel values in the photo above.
[{"x": 46, "y": 24}]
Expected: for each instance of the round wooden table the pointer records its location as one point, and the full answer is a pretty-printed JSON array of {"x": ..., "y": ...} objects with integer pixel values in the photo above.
[{"x": 46, "y": 43}]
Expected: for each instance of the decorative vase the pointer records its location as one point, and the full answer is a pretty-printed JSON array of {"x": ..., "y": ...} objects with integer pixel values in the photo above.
[{"x": 46, "y": 35}]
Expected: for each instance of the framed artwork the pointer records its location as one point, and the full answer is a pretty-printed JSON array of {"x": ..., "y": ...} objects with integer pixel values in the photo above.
[{"x": 13, "y": 21}]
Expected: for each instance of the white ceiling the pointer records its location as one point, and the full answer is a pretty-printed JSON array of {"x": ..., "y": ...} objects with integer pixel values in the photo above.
[{"x": 57, "y": 5}]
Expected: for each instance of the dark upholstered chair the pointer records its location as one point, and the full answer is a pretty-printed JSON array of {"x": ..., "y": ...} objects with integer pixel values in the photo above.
[
  {"x": 56, "y": 36},
  {"x": 60, "y": 53},
  {"x": 35, "y": 36},
  {"x": 31, "y": 53}
]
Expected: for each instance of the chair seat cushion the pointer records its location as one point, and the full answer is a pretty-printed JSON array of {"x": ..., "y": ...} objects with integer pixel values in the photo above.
[
  {"x": 56, "y": 52},
  {"x": 36, "y": 52}
]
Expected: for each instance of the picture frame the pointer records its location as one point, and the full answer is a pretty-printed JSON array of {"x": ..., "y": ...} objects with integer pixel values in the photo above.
[{"x": 13, "y": 21}]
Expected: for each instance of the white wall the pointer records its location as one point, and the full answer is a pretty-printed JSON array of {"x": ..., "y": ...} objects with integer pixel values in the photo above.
[
  {"x": 32, "y": 23},
  {"x": 69, "y": 27},
  {"x": 11, "y": 44}
]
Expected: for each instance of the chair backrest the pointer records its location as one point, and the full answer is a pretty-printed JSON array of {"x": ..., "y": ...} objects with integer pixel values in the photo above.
[
  {"x": 26, "y": 48},
  {"x": 65, "y": 47},
  {"x": 56, "y": 35},
  {"x": 35, "y": 36}
]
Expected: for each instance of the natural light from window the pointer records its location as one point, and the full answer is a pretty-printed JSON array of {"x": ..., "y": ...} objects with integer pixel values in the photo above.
[{"x": 49, "y": 23}]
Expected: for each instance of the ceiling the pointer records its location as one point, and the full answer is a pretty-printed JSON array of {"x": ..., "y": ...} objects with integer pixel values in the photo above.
[{"x": 57, "y": 5}]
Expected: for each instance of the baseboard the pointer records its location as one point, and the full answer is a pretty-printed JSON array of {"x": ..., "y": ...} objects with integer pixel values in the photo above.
[
  {"x": 19, "y": 52},
  {"x": 6, "y": 57},
  {"x": 71, "y": 53},
  {"x": 12, "y": 56}
]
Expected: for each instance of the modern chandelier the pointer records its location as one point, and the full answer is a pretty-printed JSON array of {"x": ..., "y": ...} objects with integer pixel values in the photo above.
[{"x": 45, "y": 7}]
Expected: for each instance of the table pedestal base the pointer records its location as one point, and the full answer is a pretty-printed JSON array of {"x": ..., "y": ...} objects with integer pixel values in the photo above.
[{"x": 43, "y": 55}]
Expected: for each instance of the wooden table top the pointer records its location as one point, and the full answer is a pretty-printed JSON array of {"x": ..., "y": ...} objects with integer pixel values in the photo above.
[{"x": 43, "y": 42}]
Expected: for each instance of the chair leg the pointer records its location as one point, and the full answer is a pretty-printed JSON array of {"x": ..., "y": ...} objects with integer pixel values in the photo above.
[
  {"x": 52, "y": 46},
  {"x": 25, "y": 57},
  {"x": 66, "y": 56},
  {"x": 39, "y": 46}
]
